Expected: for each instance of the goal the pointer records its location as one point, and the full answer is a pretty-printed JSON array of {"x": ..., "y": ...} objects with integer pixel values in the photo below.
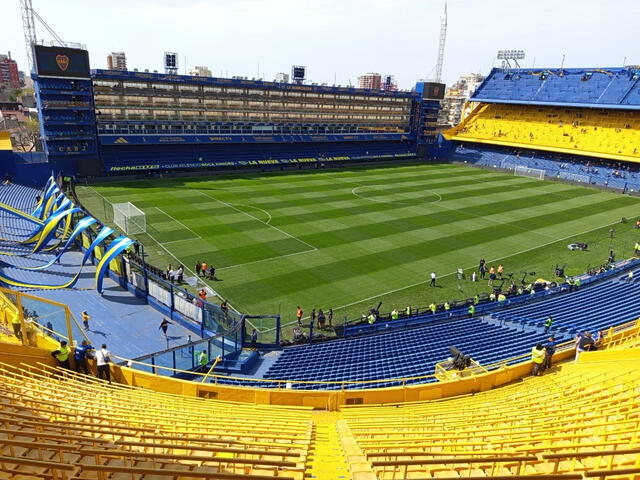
[
  {"x": 523, "y": 171},
  {"x": 129, "y": 218}
]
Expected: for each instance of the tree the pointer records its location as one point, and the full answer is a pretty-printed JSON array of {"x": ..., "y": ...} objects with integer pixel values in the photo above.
[{"x": 28, "y": 136}]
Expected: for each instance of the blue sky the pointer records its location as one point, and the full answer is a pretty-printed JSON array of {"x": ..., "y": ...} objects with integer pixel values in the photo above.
[{"x": 338, "y": 38}]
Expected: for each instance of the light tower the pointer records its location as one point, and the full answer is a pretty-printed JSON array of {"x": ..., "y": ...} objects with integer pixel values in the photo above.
[{"x": 443, "y": 38}]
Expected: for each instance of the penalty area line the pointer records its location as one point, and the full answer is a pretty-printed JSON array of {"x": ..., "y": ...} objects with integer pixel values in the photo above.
[
  {"x": 177, "y": 221},
  {"x": 257, "y": 219},
  {"x": 267, "y": 259}
]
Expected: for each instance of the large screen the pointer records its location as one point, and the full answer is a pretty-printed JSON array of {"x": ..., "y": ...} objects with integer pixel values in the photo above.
[
  {"x": 433, "y": 90},
  {"x": 298, "y": 72},
  {"x": 61, "y": 62}
]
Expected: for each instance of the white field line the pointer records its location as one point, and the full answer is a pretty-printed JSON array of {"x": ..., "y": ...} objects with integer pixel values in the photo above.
[
  {"x": 257, "y": 208},
  {"x": 257, "y": 219},
  {"x": 488, "y": 261},
  {"x": 498, "y": 222},
  {"x": 354, "y": 191},
  {"x": 161, "y": 245},
  {"x": 267, "y": 259},
  {"x": 189, "y": 270},
  {"x": 177, "y": 221},
  {"x": 191, "y": 239}
]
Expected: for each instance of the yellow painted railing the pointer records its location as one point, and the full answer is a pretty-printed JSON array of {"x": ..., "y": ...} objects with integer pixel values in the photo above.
[{"x": 416, "y": 388}]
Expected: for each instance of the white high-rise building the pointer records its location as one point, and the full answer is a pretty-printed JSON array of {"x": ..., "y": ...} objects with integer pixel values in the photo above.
[
  {"x": 200, "y": 71},
  {"x": 117, "y": 61},
  {"x": 282, "y": 77},
  {"x": 452, "y": 110}
]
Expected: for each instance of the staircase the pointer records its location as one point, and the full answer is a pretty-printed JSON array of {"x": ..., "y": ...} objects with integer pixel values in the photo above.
[{"x": 326, "y": 458}]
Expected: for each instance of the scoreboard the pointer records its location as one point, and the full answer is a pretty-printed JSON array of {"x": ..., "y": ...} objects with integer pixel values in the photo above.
[{"x": 61, "y": 62}]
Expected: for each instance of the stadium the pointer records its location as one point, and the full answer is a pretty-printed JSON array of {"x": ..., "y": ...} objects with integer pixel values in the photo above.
[{"x": 208, "y": 277}]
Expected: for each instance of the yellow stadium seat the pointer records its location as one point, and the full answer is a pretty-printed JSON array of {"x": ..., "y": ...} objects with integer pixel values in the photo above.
[{"x": 600, "y": 133}]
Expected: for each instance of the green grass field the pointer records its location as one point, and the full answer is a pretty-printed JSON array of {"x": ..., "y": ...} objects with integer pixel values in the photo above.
[{"x": 350, "y": 238}]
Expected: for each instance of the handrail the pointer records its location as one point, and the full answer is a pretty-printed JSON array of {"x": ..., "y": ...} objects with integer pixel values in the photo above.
[
  {"x": 172, "y": 472},
  {"x": 36, "y": 463},
  {"x": 612, "y": 472},
  {"x": 278, "y": 381},
  {"x": 595, "y": 453},
  {"x": 441, "y": 460},
  {"x": 568, "y": 345},
  {"x": 215, "y": 362},
  {"x": 202, "y": 458}
]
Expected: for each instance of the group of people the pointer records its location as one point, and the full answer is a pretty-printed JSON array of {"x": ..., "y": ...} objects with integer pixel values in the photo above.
[
  {"x": 542, "y": 353},
  {"x": 175, "y": 275},
  {"x": 81, "y": 354},
  {"x": 494, "y": 273},
  {"x": 206, "y": 271},
  {"x": 323, "y": 320}
]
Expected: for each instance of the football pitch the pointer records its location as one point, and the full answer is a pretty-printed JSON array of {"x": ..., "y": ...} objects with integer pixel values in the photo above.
[{"x": 350, "y": 238}]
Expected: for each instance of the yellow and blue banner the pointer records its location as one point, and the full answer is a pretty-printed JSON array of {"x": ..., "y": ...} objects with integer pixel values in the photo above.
[
  {"x": 104, "y": 233},
  {"x": 115, "y": 248},
  {"x": 80, "y": 227}
]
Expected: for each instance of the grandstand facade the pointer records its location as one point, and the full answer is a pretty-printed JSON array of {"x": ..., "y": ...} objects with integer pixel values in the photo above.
[
  {"x": 590, "y": 113},
  {"x": 105, "y": 121}
]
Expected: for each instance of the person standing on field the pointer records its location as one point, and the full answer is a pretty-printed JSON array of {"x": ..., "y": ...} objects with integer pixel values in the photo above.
[{"x": 85, "y": 320}]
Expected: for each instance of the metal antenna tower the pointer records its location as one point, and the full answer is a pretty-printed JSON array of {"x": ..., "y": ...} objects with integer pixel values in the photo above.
[
  {"x": 29, "y": 28},
  {"x": 443, "y": 38}
]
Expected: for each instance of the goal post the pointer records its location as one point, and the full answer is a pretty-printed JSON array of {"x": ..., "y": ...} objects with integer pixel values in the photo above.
[
  {"x": 129, "y": 218},
  {"x": 522, "y": 171}
]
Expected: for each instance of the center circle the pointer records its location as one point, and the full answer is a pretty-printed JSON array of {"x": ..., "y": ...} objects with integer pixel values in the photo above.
[{"x": 379, "y": 194}]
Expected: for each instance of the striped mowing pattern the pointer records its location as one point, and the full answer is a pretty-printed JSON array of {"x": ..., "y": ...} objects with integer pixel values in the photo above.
[{"x": 350, "y": 237}]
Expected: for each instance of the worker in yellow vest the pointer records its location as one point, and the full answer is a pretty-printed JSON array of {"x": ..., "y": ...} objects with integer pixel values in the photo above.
[
  {"x": 62, "y": 355},
  {"x": 537, "y": 357},
  {"x": 472, "y": 310},
  {"x": 407, "y": 311},
  {"x": 371, "y": 318},
  {"x": 501, "y": 297},
  {"x": 202, "y": 359},
  {"x": 394, "y": 314},
  {"x": 447, "y": 307},
  {"x": 433, "y": 307}
]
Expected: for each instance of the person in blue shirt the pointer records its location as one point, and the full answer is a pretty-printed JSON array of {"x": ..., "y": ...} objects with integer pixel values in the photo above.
[
  {"x": 549, "y": 350},
  {"x": 81, "y": 354}
]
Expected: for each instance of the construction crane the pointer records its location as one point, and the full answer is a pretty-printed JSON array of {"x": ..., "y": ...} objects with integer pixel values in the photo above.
[
  {"x": 443, "y": 38},
  {"x": 29, "y": 26}
]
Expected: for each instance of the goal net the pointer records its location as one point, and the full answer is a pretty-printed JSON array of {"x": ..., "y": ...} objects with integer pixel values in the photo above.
[
  {"x": 523, "y": 171},
  {"x": 129, "y": 218}
]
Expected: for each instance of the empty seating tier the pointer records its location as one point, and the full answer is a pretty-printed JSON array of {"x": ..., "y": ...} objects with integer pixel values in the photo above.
[
  {"x": 610, "y": 134},
  {"x": 579, "y": 420}
]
